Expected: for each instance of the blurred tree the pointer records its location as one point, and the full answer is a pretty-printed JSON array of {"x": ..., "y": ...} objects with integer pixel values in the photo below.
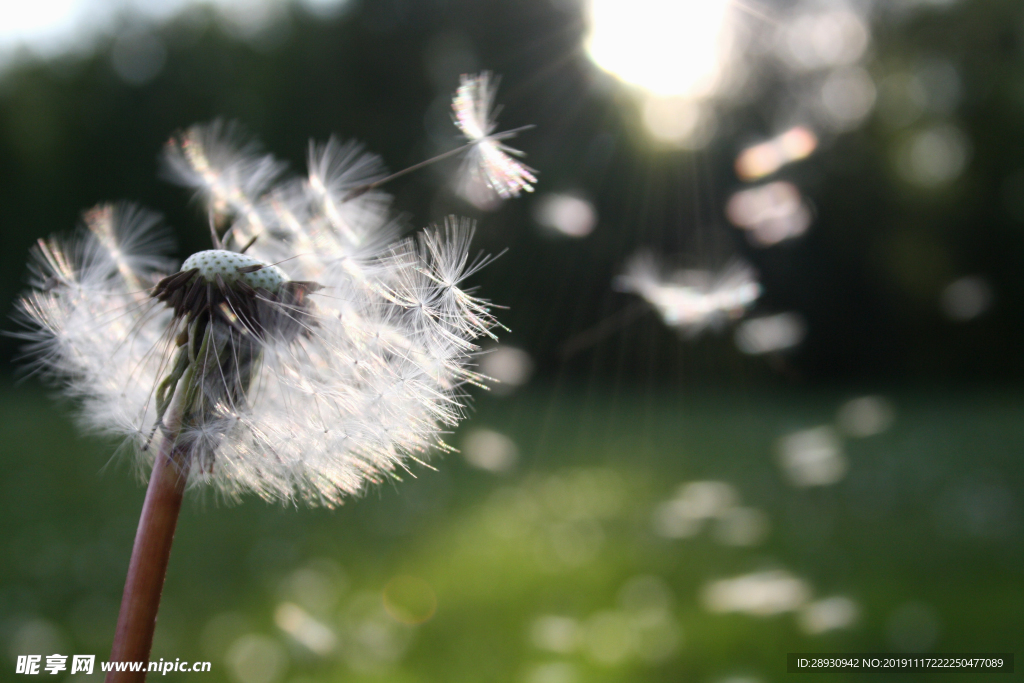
[{"x": 868, "y": 276}]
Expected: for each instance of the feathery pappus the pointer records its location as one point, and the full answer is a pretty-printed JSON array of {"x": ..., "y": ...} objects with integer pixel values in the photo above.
[
  {"x": 490, "y": 161},
  {"x": 691, "y": 300},
  {"x": 308, "y": 353}
]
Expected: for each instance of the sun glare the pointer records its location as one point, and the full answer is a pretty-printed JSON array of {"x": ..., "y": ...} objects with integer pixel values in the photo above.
[
  {"x": 667, "y": 48},
  {"x": 34, "y": 20}
]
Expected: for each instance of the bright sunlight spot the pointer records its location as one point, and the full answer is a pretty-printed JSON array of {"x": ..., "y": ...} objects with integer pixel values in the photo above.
[
  {"x": 666, "y": 48},
  {"x": 675, "y": 52}
]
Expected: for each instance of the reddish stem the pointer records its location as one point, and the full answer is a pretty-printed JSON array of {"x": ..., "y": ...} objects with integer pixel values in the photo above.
[{"x": 148, "y": 567}]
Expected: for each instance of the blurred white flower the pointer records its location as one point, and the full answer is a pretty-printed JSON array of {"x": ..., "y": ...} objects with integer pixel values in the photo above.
[
  {"x": 304, "y": 356},
  {"x": 760, "y": 594},
  {"x": 812, "y": 457},
  {"x": 828, "y": 614},
  {"x": 489, "y": 161},
  {"x": 695, "y": 502},
  {"x": 314, "y": 635},
  {"x": 692, "y": 300}
]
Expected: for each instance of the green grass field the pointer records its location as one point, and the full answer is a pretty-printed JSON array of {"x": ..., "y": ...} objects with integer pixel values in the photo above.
[{"x": 554, "y": 571}]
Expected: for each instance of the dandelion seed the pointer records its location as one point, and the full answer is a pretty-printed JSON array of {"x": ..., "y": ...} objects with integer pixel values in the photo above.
[
  {"x": 692, "y": 300},
  {"x": 489, "y": 159},
  {"x": 225, "y": 168}
]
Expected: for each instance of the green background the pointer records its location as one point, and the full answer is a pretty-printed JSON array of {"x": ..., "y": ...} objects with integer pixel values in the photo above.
[{"x": 923, "y": 534}]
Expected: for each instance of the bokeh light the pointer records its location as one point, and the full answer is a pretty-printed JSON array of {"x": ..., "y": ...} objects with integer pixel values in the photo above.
[
  {"x": 566, "y": 214},
  {"x": 768, "y": 157},
  {"x": 256, "y": 658},
  {"x": 716, "y": 503},
  {"x": 305, "y": 629},
  {"x": 741, "y": 527},
  {"x": 828, "y": 614},
  {"x": 812, "y": 457},
  {"x": 761, "y": 594},
  {"x": 847, "y": 96},
  {"x": 770, "y": 213},
  {"x": 866, "y": 416},
  {"x": 509, "y": 366},
  {"x": 555, "y": 633},
  {"x": 934, "y": 156},
  {"x": 489, "y": 450},
  {"x": 770, "y": 333},
  {"x": 410, "y": 599},
  {"x": 966, "y": 298},
  {"x": 823, "y": 38}
]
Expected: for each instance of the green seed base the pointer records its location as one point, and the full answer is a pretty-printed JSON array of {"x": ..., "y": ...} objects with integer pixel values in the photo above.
[{"x": 214, "y": 262}]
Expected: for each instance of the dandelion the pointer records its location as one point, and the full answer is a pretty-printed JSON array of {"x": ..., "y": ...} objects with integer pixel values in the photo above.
[
  {"x": 297, "y": 381},
  {"x": 308, "y": 354},
  {"x": 691, "y": 300}
]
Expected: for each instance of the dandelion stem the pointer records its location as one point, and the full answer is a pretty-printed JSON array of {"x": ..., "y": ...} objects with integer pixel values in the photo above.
[
  {"x": 148, "y": 567},
  {"x": 363, "y": 189}
]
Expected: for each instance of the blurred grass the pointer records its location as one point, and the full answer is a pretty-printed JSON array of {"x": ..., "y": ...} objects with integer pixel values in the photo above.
[{"x": 928, "y": 516}]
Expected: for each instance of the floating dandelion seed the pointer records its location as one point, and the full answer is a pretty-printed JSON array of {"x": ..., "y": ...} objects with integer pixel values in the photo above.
[
  {"x": 691, "y": 300},
  {"x": 306, "y": 355},
  {"x": 489, "y": 160}
]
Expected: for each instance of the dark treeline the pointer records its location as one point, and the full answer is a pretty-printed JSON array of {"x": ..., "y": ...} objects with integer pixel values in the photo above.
[{"x": 867, "y": 276}]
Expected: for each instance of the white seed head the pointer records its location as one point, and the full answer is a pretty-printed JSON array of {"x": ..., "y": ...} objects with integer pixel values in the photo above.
[
  {"x": 303, "y": 381},
  {"x": 229, "y": 265}
]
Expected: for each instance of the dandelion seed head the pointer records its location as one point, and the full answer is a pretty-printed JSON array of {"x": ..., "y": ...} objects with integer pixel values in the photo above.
[{"x": 309, "y": 355}]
